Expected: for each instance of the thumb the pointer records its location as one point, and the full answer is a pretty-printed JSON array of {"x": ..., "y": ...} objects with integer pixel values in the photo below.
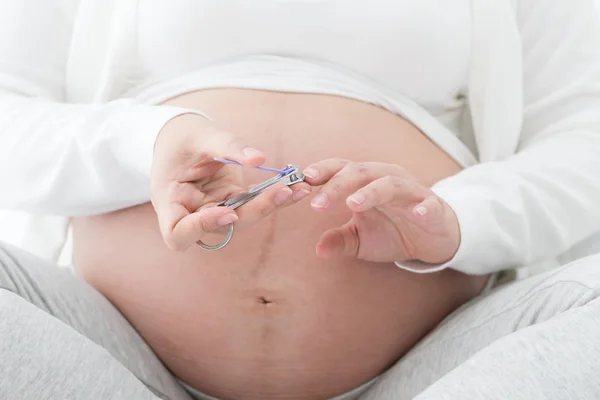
[
  {"x": 340, "y": 241},
  {"x": 225, "y": 145}
]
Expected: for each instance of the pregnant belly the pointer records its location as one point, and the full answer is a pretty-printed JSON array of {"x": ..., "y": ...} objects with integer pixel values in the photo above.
[{"x": 264, "y": 317}]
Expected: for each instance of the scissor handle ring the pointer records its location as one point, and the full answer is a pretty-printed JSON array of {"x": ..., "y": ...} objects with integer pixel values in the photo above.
[{"x": 220, "y": 245}]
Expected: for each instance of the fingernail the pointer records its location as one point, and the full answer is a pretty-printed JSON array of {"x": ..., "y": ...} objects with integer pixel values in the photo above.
[
  {"x": 251, "y": 152},
  {"x": 300, "y": 194},
  {"x": 421, "y": 210},
  {"x": 282, "y": 196},
  {"x": 358, "y": 198},
  {"x": 320, "y": 201},
  {"x": 311, "y": 173},
  {"x": 227, "y": 219}
]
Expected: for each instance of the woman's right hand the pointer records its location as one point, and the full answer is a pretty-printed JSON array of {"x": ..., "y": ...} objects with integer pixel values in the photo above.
[{"x": 185, "y": 179}]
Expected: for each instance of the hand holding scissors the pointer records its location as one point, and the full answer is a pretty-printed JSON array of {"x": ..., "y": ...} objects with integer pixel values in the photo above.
[{"x": 186, "y": 181}]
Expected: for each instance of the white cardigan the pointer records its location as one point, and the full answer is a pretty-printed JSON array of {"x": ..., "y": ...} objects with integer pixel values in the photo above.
[{"x": 67, "y": 148}]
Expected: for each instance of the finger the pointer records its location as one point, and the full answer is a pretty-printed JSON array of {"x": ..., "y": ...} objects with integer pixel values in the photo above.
[
  {"x": 201, "y": 168},
  {"x": 323, "y": 171},
  {"x": 174, "y": 203},
  {"x": 183, "y": 198},
  {"x": 264, "y": 204},
  {"x": 271, "y": 200},
  {"x": 168, "y": 216},
  {"x": 186, "y": 194},
  {"x": 339, "y": 241},
  {"x": 430, "y": 209},
  {"x": 348, "y": 180},
  {"x": 299, "y": 191},
  {"x": 401, "y": 191},
  {"x": 221, "y": 144},
  {"x": 194, "y": 226}
]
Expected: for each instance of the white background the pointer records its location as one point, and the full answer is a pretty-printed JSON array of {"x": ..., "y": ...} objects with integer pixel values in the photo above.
[{"x": 12, "y": 227}]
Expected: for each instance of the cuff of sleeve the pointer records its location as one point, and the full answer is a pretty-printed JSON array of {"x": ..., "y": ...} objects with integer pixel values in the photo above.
[
  {"x": 476, "y": 254},
  {"x": 140, "y": 130}
]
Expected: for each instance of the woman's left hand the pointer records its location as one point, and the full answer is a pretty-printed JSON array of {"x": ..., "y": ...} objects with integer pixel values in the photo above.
[{"x": 395, "y": 218}]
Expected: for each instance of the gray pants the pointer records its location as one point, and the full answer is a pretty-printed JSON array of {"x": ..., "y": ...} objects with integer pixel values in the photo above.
[{"x": 534, "y": 339}]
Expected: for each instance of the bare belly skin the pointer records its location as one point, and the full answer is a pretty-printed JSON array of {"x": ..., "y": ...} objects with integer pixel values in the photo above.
[{"x": 264, "y": 317}]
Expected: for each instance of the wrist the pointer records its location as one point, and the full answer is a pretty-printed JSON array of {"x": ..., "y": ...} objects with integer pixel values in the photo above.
[
  {"x": 137, "y": 131},
  {"x": 186, "y": 121}
]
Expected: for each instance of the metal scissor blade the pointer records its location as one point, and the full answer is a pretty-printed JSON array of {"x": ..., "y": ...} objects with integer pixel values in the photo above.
[
  {"x": 265, "y": 185},
  {"x": 290, "y": 176}
]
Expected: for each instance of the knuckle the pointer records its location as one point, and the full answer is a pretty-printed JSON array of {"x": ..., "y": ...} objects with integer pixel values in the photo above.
[
  {"x": 335, "y": 184},
  {"x": 397, "y": 183},
  {"x": 184, "y": 194},
  {"x": 202, "y": 225},
  {"x": 342, "y": 163},
  {"x": 351, "y": 166},
  {"x": 330, "y": 166},
  {"x": 374, "y": 191},
  {"x": 361, "y": 169}
]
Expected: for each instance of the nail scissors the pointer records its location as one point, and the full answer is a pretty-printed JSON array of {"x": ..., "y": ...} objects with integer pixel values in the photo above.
[{"x": 287, "y": 176}]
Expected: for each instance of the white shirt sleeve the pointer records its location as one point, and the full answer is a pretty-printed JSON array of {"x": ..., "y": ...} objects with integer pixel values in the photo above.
[
  {"x": 58, "y": 158},
  {"x": 546, "y": 198}
]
